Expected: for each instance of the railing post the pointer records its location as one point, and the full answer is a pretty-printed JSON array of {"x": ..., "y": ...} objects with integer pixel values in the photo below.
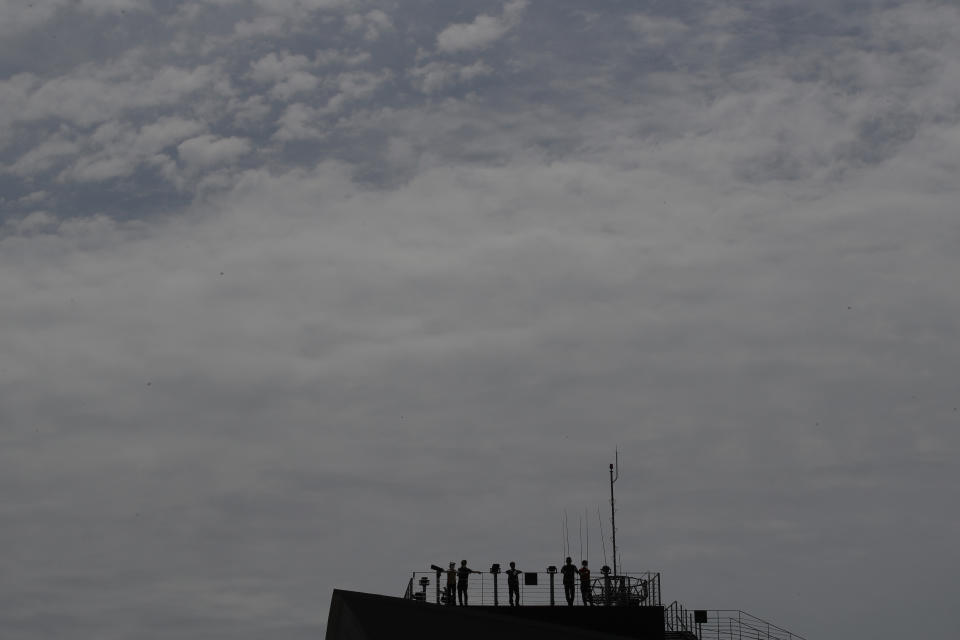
[{"x": 552, "y": 572}]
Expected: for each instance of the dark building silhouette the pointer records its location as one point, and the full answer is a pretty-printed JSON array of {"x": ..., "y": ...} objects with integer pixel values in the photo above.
[
  {"x": 626, "y": 606},
  {"x": 365, "y": 616}
]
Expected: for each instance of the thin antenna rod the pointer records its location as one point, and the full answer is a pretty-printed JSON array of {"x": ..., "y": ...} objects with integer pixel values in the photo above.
[
  {"x": 613, "y": 507},
  {"x": 581, "y": 536},
  {"x": 603, "y": 542},
  {"x": 586, "y": 521}
]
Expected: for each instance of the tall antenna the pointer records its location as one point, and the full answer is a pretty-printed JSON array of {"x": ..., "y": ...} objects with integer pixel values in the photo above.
[{"x": 613, "y": 507}]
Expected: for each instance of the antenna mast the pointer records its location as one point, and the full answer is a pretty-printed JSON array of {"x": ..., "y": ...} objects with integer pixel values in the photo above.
[{"x": 613, "y": 509}]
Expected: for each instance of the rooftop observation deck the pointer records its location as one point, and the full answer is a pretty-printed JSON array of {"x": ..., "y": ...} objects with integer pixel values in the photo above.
[
  {"x": 542, "y": 592},
  {"x": 540, "y": 589}
]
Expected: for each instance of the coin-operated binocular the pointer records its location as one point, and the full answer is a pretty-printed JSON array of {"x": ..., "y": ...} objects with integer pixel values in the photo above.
[
  {"x": 439, "y": 571},
  {"x": 495, "y": 571},
  {"x": 552, "y": 570}
]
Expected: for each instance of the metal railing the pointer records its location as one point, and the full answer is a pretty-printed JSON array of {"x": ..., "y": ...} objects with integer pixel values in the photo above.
[
  {"x": 734, "y": 624},
  {"x": 677, "y": 618},
  {"x": 540, "y": 588}
]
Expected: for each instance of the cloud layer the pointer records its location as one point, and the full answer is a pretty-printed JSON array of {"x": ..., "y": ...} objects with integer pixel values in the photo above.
[{"x": 304, "y": 295}]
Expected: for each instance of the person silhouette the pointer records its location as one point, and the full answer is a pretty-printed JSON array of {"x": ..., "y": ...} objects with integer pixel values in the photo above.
[
  {"x": 463, "y": 577},
  {"x": 452, "y": 584},
  {"x": 569, "y": 581},
  {"x": 513, "y": 583},
  {"x": 585, "y": 591}
]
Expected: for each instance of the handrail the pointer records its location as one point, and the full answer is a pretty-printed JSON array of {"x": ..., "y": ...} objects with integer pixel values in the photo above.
[
  {"x": 485, "y": 589},
  {"x": 766, "y": 623},
  {"x": 677, "y": 618},
  {"x": 736, "y": 624}
]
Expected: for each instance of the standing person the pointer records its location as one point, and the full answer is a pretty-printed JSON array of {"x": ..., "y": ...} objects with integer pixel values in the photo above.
[
  {"x": 452, "y": 584},
  {"x": 513, "y": 583},
  {"x": 463, "y": 575},
  {"x": 569, "y": 572},
  {"x": 585, "y": 592}
]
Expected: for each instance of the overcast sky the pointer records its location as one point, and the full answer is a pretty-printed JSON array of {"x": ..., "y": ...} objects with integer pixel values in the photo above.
[{"x": 305, "y": 294}]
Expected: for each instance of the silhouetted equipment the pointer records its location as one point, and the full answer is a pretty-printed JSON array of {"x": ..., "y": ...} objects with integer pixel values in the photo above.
[
  {"x": 700, "y": 618},
  {"x": 607, "y": 585},
  {"x": 552, "y": 570},
  {"x": 439, "y": 571},
  {"x": 421, "y": 596},
  {"x": 495, "y": 570},
  {"x": 530, "y": 579}
]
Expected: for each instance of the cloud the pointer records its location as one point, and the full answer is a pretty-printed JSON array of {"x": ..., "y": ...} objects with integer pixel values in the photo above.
[
  {"x": 208, "y": 150},
  {"x": 326, "y": 57},
  {"x": 298, "y": 122},
  {"x": 287, "y": 74},
  {"x": 274, "y": 68},
  {"x": 657, "y": 30},
  {"x": 117, "y": 149},
  {"x": 373, "y": 24},
  {"x": 483, "y": 31},
  {"x": 19, "y": 17},
  {"x": 356, "y": 85},
  {"x": 248, "y": 320},
  {"x": 44, "y": 156},
  {"x": 33, "y": 222},
  {"x": 91, "y": 94},
  {"x": 249, "y": 111},
  {"x": 436, "y": 76}
]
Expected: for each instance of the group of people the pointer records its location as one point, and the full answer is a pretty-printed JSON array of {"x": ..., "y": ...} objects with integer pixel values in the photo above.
[
  {"x": 458, "y": 580},
  {"x": 570, "y": 574}
]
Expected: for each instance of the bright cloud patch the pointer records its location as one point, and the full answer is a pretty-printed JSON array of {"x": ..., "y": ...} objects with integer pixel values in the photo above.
[
  {"x": 208, "y": 150},
  {"x": 482, "y": 32}
]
